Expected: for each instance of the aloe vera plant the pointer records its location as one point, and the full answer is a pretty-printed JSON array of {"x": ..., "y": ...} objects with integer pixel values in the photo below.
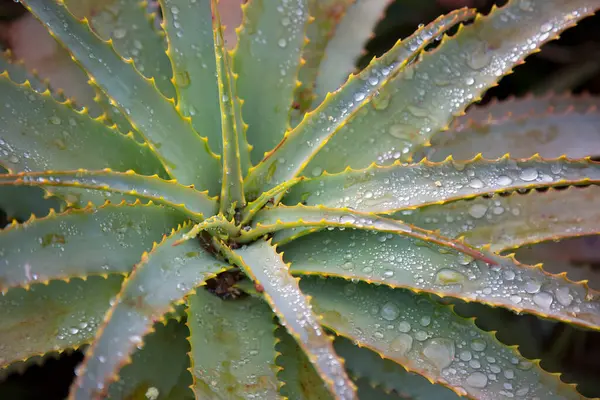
[{"x": 220, "y": 231}]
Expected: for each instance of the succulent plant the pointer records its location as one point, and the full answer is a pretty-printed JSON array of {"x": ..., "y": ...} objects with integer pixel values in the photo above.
[{"x": 242, "y": 222}]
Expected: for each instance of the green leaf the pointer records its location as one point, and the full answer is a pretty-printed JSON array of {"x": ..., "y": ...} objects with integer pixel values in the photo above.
[
  {"x": 366, "y": 391},
  {"x": 159, "y": 365},
  {"x": 184, "y": 154},
  {"x": 191, "y": 49},
  {"x": 233, "y": 138},
  {"x": 423, "y": 98},
  {"x": 133, "y": 35},
  {"x": 266, "y": 197},
  {"x": 53, "y": 316},
  {"x": 301, "y": 144},
  {"x": 233, "y": 347},
  {"x": 112, "y": 115},
  {"x": 403, "y": 262},
  {"x": 264, "y": 265},
  {"x": 431, "y": 340},
  {"x": 297, "y": 375},
  {"x": 549, "y": 134},
  {"x": 20, "y": 203},
  {"x": 37, "y": 133},
  {"x": 267, "y": 58},
  {"x": 18, "y": 73},
  {"x": 164, "y": 276},
  {"x": 327, "y": 15},
  {"x": 81, "y": 242},
  {"x": 369, "y": 366},
  {"x": 506, "y": 222},
  {"x": 401, "y": 186},
  {"x": 186, "y": 199}
]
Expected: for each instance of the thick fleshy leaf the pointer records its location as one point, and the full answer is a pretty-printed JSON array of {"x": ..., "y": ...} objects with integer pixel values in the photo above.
[
  {"x": 112, "y": 115},
  {"x": 387, "y": 189},
  {"x": 233, "y": 347},
  {"x": 184, "y": 154},
  {"x": 37, "y": 133},
  {"x": 264, "y": 265},
  {"x": 186, "y": 199},
  {"x": 327, "y": 15},
  {"x": 423, "y": 98},
  {"x": 368, "y": 365},
  {"x": 158, "y": 366},
  {"x": 191, "y": 49},
  {"x": 506, "y": 222},
  {"x": 302, "y": 143},
  {"x": 266, "y": 197},
  {"x": 403, "y": 262},
  {"x": 18, "y": 73},
  {"x": 131, "y": 29},
  {"x": 298, "y": 377},
  {"x": 267, "y": 58},
  {"x": 232, "y": 185},
  {"x": 20, "y": 202},
  {"x": 164, "y": 276},
  {"x": 81, "y": 242},
  {"x": 351, "y": 36},
  {"x": 53, "y": 316},
  {"x": 571, "y": 133},
  {"x": 431, "y": 340}
]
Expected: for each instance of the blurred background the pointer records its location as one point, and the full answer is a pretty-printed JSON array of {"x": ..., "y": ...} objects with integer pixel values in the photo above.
[{"x": 570, "y": 64}]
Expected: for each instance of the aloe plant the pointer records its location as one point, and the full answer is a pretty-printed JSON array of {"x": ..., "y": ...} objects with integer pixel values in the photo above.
[{"x": 216, "y": 233}]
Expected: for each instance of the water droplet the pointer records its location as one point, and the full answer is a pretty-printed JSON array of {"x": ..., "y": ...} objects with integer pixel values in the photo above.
[
  {"x": 119, "y": 33},
  {"x": 465, "y": 355},
  {"x": 425, "y": 320},
  {"x": 532, "y": 286},
  {"x": 404, "y": 327},
  {"x": 13, "y": 159},
  {"x": 348, "y": 265},
  {"x": 282, "y": 43},
  {"x": 563, "y": 296},
  {"x": 478, "y": 344},
  {"x": 477, "y": 380},
  {"x": 529, "y": 174},
  {"x": 476, "y": 183},
  {"x": 543, "y": 299},
  {"x": 390, "y": 311},
  {"x": 55, "y": 120},
  {"x": 402, "y": 343},
  {"x": 477, "y": 210},
  {"x": 503, "y": 180},
  {"x": 317, "y": 171},
  {"x": 448, "y": 276},
  {"x": 440, "y": 352}
]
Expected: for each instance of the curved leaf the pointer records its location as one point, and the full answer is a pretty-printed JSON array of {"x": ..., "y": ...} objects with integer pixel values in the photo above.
[
  {"x": 81, "y": 242},
  {"x": 267, "y": 58},
  {"x": 191, "y": 49},
  {"x": 403, "y": 262},
  {"x": 301, "y": 144},
  {"x": 264, "y": 265},
  {"x": 369, "y": 366},
  {"x": 186, "y": 199},
  {"x": 71, "y": 313},
  {"x": 553, "y": 134},
  {"x": 402, "y": 186},
  {"x": 160, "y": 365},
  {"x": 431, "y": 340},
  {"x": 18, "y": 73},
  {"x": 184, "y": 154},
  {"x": 297, "y": 375},
  {"x": 20, "y": 203},
  {"x": 133, "y": 34},
  {"x": 506, "y": 222},
  {"x": 423, "y": 98},
  {"x": 164, "y": 276},
  {"x": 266, "y": 197},
  {"x": 37, "y": 133},
  {"x": 233, "y": 347}
]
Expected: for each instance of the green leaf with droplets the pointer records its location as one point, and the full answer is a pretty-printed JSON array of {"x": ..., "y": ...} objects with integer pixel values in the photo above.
[
  {"x": 369, "y": 366},
  {"x": 403, "y": 262},
  {"x": 261, "y": 262},
  {"x": 266, "y": 59},
  {"x": 506, "y": 222},
  {"x": 186, "y": 199},
  {"x": 184, "y": 154},
  {"x": 232, "y": 135},
  {"x": 297, "y": 375},
  {"x": 402, "y": 186},
  {"x": 549, "y": 134},
  {"x": 266, "y": 197},
  {"x": 131, "y": 29},
  {"x": 233, "y": 347},
  {"x": 164, "y": 276},
  {"x": 159, "y": 365},
  {"x": 423, "y": 98},
  {"x": 113, "y": 115},
  {"x": 192, "y": 52},
  {"x": 80, "y": 243},
  {"x": 20, "y": 202},
  {"x": 53, "y": 316},
  {"x": 431, "y": 340},
  {"x": 18, "y": 73},
  {"x": 327, "y": 15},
  {"x": 302, "y": 143},
  {"x": 37, "y": 133}
]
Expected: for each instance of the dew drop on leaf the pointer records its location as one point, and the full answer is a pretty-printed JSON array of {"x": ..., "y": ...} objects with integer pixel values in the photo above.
[{"x": 440, "y": 352}]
